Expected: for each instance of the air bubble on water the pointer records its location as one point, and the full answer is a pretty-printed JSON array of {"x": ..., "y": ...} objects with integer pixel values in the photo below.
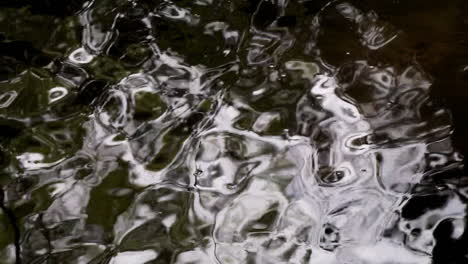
[
  {"x": 80, "y": 56},
  {"x": 7, "y": 98},
  {"x": 57, "y": 93}
]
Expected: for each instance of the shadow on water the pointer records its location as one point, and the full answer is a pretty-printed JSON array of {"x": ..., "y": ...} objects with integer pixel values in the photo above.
[{"x": 265, "y": 131}]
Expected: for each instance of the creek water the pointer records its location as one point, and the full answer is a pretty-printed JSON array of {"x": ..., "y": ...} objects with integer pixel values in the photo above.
[{"x": 233, "y": 131}]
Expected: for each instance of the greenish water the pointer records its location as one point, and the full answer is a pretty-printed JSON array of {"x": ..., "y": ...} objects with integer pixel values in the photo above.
[{"x": 271, "y": 131}]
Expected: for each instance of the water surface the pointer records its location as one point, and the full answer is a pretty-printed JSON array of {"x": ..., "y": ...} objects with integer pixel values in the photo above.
[{"x": 267, "y": 131}]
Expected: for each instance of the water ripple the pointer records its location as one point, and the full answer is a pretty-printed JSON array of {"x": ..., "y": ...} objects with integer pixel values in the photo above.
[{"x": 225, "y": 132}]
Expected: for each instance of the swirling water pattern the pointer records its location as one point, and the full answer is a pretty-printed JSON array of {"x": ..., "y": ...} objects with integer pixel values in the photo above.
[{"x": 223, "y": 132}]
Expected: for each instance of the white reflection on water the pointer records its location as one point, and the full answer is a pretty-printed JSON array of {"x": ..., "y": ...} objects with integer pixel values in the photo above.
[{"x": 293, "y": 161}]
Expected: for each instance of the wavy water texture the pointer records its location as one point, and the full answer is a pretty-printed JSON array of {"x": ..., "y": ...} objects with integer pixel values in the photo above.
[{"x": 223, "y": 132}]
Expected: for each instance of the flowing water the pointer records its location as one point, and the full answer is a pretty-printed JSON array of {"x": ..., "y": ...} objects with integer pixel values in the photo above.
[{"x": 234, "y": 131}]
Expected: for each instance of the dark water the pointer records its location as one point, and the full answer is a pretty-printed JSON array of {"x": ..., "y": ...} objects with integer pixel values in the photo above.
[{"x": 261, "y": 131}]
